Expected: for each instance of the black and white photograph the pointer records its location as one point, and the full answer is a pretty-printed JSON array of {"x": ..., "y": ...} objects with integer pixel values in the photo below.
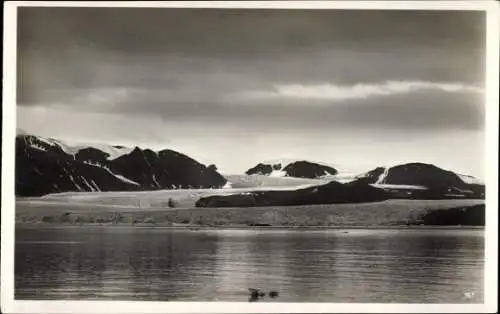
[{"x": 268, "y": 156}]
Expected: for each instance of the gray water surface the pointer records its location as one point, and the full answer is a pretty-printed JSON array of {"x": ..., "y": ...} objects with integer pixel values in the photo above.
[{"x": 130, "y": 263}]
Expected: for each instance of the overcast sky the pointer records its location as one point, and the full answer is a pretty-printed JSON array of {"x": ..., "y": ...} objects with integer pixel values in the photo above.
[{"x": 236, "y": 87}]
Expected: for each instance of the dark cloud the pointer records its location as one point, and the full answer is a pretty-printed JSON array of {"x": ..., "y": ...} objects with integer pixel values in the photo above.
[
  {"x": 85, "y": 47},
  {"x": 429, "y": 110},
  {"x": 244, "y": 32}
]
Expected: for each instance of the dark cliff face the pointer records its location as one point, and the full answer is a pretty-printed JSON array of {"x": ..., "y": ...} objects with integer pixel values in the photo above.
[
  {"x": 330, "y": 193},
  {"x": 298, "y": 169},
  {"x": 43, "y": 168}
]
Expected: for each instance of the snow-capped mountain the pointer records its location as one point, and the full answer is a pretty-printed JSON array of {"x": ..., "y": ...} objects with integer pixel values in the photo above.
[
  {"x": 293, "y": 168},
  {"x": 427, "y": 178},
  {"x": 415, "y": 174},
  {"x": 411, "y": 180},
  {"x": 407, "y": 181},
  {"x": 45, "y": 165},
  {"x": 470, "y": 179}
]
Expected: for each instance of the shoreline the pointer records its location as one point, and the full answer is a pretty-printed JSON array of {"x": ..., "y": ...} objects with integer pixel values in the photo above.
[
  {"x": 243, "y": 227},
  {"x": 401, "y": 214}
]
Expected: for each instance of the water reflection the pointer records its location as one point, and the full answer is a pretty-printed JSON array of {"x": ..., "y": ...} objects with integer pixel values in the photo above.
[
  {"x": 247, "y": 259},
  {"x": 332, "y": 266}
]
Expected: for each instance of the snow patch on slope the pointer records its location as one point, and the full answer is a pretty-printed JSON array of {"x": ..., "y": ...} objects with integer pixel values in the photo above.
[
  {"x": 155, "y": 181},
  {"x": 76, "y": 184},
  {"x": 382, "y": 177},
  {"x": 87, "y": 184},
  {"x": 470, "y": 179},
  {"x": 122, "y": 178},
  {"x": 95, "y": 186},
  {"x": 35, "y": 146},
  {"x": 118, "y": 176},
  {"x": 398, "y": 186},
  {"x": 46, "y": 141},
  {"x": 278, "y": 173},
  {"x": 344, "y": 177},
  {"x": 73, "y": 148}
]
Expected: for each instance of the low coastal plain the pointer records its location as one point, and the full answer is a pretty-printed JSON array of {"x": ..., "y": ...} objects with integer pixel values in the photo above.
[{"x": 153, "y": 209}]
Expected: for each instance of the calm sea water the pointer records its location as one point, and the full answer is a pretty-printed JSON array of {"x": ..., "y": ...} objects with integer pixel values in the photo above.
[{"x": 126, "y": 263}]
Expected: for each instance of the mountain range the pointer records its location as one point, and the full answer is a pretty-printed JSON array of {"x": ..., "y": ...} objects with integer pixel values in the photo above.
[
  {"x": 405, "y": 180},
  {"x": 46, "y": 165},
  {"x": 297, "y": 169}
]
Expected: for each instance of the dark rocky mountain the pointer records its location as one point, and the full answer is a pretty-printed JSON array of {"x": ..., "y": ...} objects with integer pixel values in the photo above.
[
  {"x": 414, "y": 174},
  {"x": 436, "y": 183},
  {"x": 48, "y": 166},
  {"x": 91, "y": 154},
  {"x": 166, "y": 169},
  {"x": 262, "y": 169},
  {"x": 297, "y": 169},
  {"x": 330, "y": 193}
]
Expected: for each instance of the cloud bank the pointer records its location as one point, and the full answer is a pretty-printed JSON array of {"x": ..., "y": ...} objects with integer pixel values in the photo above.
[{"x": 336, "y": 92}]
